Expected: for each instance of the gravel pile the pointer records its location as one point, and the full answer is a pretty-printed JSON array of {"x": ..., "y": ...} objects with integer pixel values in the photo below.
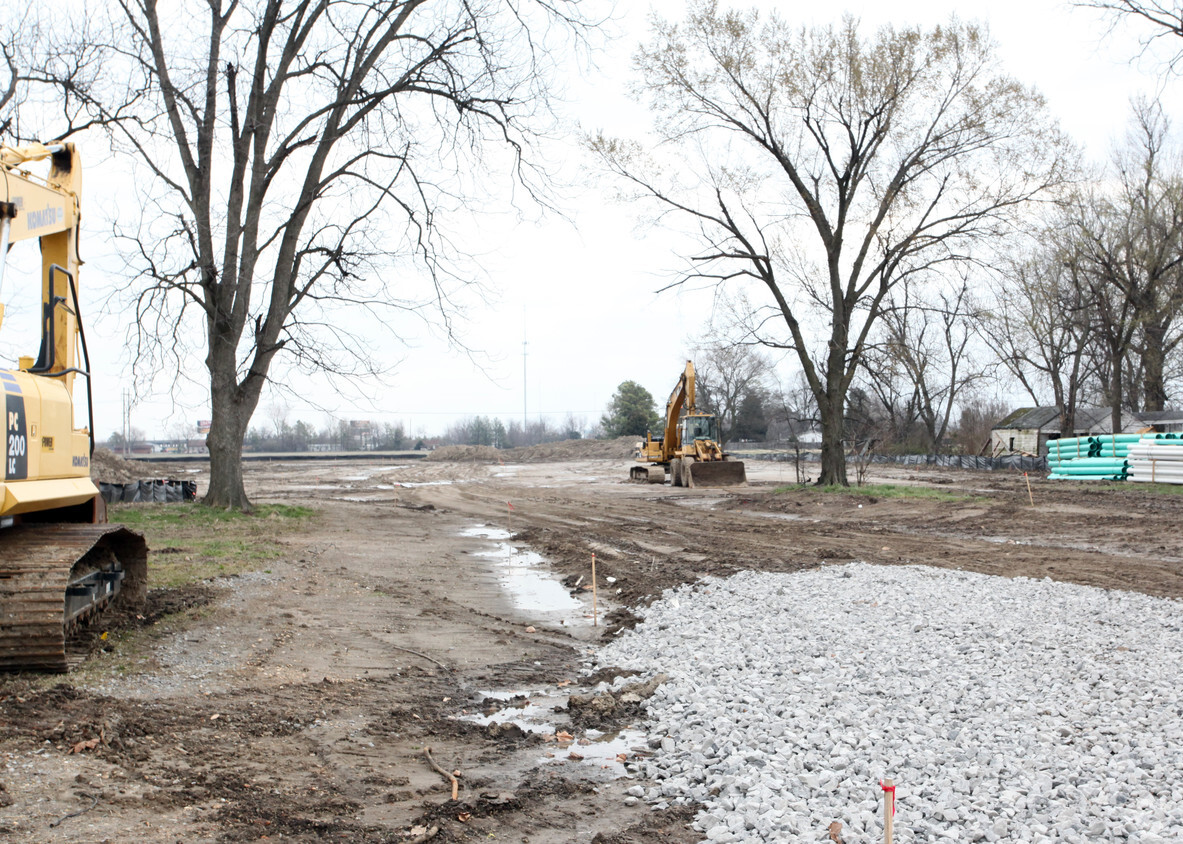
[{"x": 1005, "y": 710}]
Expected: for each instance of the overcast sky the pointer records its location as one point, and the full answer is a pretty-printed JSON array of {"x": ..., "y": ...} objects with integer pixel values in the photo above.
[{"x": 581, "y": 291}]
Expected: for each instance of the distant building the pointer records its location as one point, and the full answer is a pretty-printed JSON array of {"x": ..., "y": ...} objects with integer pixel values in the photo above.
[
  {"x": 1163, "y": 421},
  {"x": 1028, "y": 429}
]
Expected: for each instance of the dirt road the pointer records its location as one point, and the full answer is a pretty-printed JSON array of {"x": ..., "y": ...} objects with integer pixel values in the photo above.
[{"x": 296, "y": 701}]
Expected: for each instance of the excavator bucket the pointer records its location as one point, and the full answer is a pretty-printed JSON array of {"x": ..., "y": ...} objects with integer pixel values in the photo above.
[{"x": 717, "y": 473}]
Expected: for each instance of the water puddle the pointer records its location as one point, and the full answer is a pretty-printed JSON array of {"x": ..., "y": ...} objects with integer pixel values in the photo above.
[
  {"x": 533, "y": 711},
  {"x": 525, "y": 577},
  {"x": 608, "y": 751},
  {"x": 368, "y": 473},
  {"x": 486, "y": 532}
]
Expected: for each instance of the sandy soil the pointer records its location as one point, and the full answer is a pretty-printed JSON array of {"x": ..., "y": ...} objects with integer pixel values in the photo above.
[{"x": 297, "y": 702}]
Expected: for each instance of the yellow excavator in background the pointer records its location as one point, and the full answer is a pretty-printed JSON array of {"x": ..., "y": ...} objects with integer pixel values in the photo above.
[
  {"x": 60, "y": 563},
  {"x": 689, "y": 446}
]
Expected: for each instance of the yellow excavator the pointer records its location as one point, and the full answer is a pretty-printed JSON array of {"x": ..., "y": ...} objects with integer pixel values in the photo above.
[
  {"x": 60, "y": 563},
  {"x": 688, "y": 447}
]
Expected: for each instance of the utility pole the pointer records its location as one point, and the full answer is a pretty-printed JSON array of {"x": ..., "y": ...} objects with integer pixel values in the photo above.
[
  {"x": 126, "y": 422},
  {"x": 525, "y": 419}
]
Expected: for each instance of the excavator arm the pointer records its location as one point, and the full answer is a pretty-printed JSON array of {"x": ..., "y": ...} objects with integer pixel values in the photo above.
[{"x": 681, "y": 397}]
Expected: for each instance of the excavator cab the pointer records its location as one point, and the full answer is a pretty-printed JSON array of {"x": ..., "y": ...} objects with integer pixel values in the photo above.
[{"x": 699, "y": 428}]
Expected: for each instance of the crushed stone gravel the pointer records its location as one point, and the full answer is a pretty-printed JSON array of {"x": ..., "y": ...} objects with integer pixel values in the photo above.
[{"x": 1004, "y": 709}]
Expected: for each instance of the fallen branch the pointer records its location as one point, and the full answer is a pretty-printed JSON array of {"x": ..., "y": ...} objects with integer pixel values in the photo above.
[
  {"x": 424, "y": 656},
  {"x": 427, "y": 836},
  {"x": 445, "y": 774}
]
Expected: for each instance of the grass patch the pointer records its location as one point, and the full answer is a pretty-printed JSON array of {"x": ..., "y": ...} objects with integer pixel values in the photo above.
[
  {"x": 191, "y": 542},
  {"x": 148, "y": 516},
  {"x": 881, "y": 491}
]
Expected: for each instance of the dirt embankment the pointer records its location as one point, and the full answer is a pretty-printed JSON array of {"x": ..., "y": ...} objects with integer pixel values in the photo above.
[
  {"x": 619, "y": 448},
  {"x": 107, "y": 466}
]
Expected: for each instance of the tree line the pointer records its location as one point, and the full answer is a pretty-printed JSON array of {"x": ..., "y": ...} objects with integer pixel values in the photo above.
[
  {"x": 846, "y": 191},
  {"x": 852, "y": 195}
]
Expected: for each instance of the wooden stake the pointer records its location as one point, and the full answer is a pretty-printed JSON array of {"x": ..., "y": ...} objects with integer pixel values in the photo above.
[
  {"x": 595, "y": 622},
  {"x": 509, "y": 512},
  {"x": 888, "y": 786},
  {"x": 1030, "y": 497}
]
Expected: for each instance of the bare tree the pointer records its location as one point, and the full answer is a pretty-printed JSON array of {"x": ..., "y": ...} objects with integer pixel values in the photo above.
[
  {"x": 726, "y": 375},
  {"x": 295, "y": 159},
  {"x": 977, "y": 419},
  {"x": 926, "y": 346},
  {"x": 9, "y": 81},
  {"x": 1039, "y": 328},
  {"x": 828, "y": 168},
  {"x": 46, "y": 74},
  {"x": 1165, "y": 18},
  {"x": 1125, "y": 247}
]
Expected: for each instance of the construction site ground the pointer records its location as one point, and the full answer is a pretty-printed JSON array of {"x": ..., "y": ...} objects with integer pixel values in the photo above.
[{"x": 295, "y": 698}]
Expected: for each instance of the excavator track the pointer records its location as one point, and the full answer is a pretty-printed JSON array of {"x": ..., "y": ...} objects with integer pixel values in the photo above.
[{"x": 56, "y": 577}]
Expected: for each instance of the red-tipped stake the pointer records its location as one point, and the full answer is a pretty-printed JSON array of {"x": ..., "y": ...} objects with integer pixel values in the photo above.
[{"x": 888, "y": 786}]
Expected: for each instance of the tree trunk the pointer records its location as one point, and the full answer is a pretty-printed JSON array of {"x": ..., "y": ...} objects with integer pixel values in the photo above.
[
  {"x": 226, "y": 488},
  {"x": 232, "y": 407},
  {"x": 1154, "y": 391},
  {"x": 1115, "y": 391},
  {"x": 833, "y": 454}
]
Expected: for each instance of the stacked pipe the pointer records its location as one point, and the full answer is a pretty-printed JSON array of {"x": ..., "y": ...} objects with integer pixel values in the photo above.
[
  {"x": 1157, "y": 458},
  {"x": 1101, "y": 457}
]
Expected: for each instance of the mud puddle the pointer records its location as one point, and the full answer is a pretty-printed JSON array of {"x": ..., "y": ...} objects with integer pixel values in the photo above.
[
  {"x": 534, "y": 711},
  {"x": 526, "y": 579},
  {"x": 368, "y": 473}
]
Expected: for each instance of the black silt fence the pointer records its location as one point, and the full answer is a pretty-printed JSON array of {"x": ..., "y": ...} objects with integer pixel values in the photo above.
[{"x": 156, "y": 491}]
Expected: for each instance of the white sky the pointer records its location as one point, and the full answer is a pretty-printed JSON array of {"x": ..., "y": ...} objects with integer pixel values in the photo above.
[{"x": 582, "y": 292}]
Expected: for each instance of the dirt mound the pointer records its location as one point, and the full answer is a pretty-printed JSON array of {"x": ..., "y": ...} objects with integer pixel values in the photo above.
[
  {"x": 475, "y": 453},
  {"x": 106, "y": 465},
  {"x": 620, "y": 448}
]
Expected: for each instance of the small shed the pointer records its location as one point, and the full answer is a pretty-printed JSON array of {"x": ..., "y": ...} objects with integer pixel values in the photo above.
[
  {"x": 1028, "y": 429},
  {"x": 1162, "y": 421}
]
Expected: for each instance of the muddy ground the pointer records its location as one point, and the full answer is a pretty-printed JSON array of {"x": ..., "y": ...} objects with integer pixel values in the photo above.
[{"x": 296, "y": 701}]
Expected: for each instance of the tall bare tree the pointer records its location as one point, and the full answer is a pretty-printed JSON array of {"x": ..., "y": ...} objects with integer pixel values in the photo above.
[
  {"x": 1125, "y": 245},
  {"x": 727, "y": 374},
  {"x": 829, "y": 167},
  {"x": 1039, "y": 328},
  {"x": 926, "y": 347},
  {"x": 296, "y": 158}
]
